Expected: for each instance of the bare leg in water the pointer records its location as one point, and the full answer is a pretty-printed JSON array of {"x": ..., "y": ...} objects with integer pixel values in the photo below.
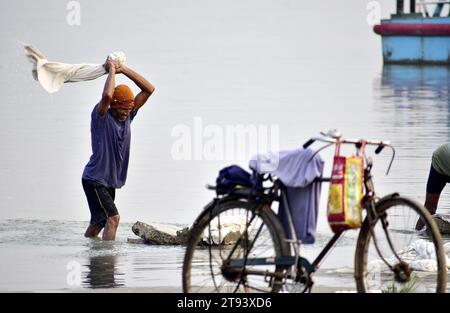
[
  {"x": 431, "y": 203},
  {"x": 92, "y": 231},
  {"x": 109, "y": 233},
  {"x": 112, "y": 223}
]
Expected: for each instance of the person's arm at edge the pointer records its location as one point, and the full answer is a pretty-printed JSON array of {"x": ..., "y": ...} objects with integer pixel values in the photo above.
[
  {"x": 146, "y": 87},
  {"x": 108, "y": 90}
]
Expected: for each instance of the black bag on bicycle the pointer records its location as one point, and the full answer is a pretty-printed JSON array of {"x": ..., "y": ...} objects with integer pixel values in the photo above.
[{"x": 234, "y": 177}]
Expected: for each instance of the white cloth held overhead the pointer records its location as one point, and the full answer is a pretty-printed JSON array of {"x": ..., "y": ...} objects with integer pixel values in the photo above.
[{"x": 52, "y": 75}]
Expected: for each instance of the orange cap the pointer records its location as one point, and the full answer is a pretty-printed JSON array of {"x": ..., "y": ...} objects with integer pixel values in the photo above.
[
  {"x": 123, "y": 97},
  {"x": 122, "y": 93}
]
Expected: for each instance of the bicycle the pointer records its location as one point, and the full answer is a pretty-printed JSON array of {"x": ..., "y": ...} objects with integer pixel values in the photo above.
[{"x": 261, "y": 259}]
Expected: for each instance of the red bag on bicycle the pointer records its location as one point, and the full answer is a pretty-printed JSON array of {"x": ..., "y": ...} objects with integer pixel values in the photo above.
[{"x": 346, "y": 192}]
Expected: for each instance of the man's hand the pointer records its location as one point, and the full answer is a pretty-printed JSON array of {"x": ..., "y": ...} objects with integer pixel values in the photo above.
[
  {"x": 110, "y": 65},
  {"x": 106, "y": 65},
  {"x": 118, "y": 66}
]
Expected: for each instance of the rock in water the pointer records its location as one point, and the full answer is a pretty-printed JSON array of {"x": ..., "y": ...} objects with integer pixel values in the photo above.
[
  {"x": 162, "y": 234},
  {"x": 156, "y": 234},
  {"x": 443, "y": 223},
  {"x": 228, "y": 231},
  {"x": 231, "y": 238},
  {"x": 136, "y": 241},
  {"x": 183, "y": 235}
]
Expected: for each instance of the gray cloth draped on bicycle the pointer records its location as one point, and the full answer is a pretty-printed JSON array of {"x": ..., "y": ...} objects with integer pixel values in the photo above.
[{"x": 297, "y": 170}]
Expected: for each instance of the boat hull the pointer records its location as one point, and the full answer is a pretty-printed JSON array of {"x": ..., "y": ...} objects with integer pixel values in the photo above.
[{"x": 415, "y": 41}]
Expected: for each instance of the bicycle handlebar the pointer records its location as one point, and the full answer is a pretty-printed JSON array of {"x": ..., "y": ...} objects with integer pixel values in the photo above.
[
  {"x": 308, "y": 143},
  {"x": 379, "y": 143}
]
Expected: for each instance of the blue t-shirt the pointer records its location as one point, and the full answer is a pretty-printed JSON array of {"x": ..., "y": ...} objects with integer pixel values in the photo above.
[{"x": 110, "y": 141}]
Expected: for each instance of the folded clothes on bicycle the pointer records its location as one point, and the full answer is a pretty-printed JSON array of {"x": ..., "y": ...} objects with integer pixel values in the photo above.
[{"x": 297, "y": 170}]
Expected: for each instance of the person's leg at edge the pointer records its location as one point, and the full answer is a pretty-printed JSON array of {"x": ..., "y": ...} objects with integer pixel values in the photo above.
[
  {"x": 431, "y": 203},
  {"x": 435, "y": 184},
  {"x": 92, "y": 231},
  {"x": 112, "y": 223}
]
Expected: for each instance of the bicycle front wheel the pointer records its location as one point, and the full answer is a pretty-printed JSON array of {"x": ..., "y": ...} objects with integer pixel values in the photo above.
[
  {"x": 392, "y": 256},
  {"x": 234, "y": 230}
]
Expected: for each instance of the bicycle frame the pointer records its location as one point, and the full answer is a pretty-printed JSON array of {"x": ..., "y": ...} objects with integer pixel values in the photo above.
[{"x": 293, "y": 262}]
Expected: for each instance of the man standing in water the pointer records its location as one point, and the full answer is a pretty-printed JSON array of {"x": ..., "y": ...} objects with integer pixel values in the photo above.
[
  {"x": 438, "y": 177},
  {"x": 110, "y": 136}
]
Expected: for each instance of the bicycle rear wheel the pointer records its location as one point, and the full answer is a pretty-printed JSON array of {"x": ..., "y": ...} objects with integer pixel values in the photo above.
[
  {"x": 214, "y": 240},
  {"x": 400, "y": 259}
]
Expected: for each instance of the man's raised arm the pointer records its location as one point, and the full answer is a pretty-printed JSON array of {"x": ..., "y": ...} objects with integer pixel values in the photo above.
[
  {"x": 146, "y": 87},
  {"x": 108, "y": 90}
]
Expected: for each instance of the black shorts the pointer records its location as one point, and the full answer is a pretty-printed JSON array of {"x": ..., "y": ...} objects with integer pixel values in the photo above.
[
  {"x": 101, "y": 202},
  {"x": 436, "y": 181}
]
